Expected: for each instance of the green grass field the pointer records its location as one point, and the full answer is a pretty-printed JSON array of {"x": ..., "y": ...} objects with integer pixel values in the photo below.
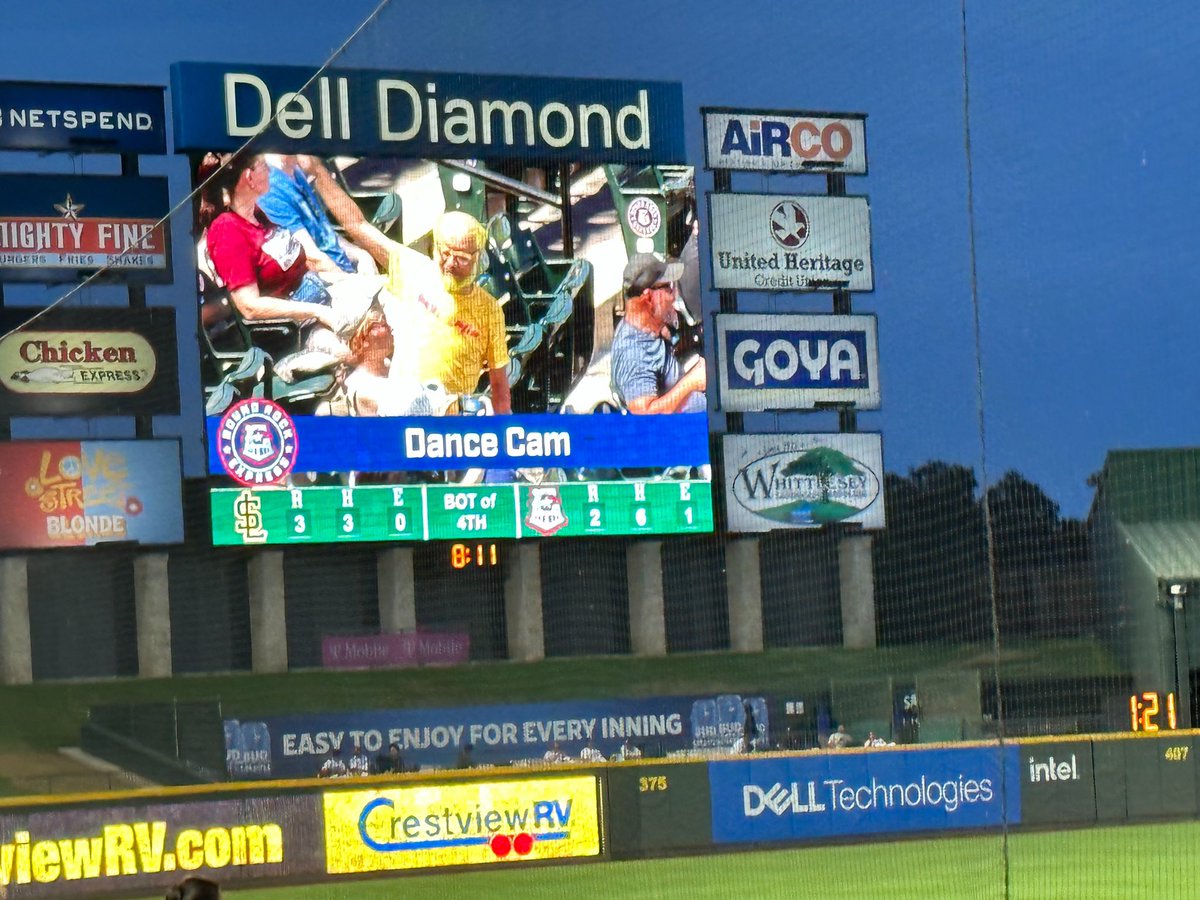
[{"x": 1151, "y": 861}]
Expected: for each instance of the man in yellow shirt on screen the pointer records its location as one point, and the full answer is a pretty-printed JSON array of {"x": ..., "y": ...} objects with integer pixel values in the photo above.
[{"x": 448, "y": 329}]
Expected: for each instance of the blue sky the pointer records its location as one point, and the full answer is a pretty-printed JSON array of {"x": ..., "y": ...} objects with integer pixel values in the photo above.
[{"x": 1083, "y": 121}]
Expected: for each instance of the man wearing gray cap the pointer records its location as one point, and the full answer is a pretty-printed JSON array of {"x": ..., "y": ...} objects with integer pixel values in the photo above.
[{"x": 646, "y": 376}]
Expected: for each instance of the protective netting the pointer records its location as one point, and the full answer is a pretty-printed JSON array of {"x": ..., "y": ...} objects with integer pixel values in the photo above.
[{"x": 1003, "y": 676}]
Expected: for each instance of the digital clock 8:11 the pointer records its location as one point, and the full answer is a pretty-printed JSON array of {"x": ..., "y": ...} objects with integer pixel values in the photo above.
[
  {"x": 1146, "y": 707},
  {"x": 480, "y": 555}
]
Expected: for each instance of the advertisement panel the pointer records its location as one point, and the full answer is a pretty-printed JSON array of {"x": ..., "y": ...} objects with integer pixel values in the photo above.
[
  {"x": 774, "y": 140},
  {"x": 395, "y": 651},
  {"x": 1057, "y": 783},
  {"x": 89, "y": 362},
  {"x": 296, "y": 746},
  {"x": 143, "y": 849},
  {"x": 105, "y": 118},
  {"x": 441, "y": 115},
  {"x": 790, "y": 242},
  {"x": 803, "y": 480},
  {"x": 82, "y": 493},
  {"x": 797, "y": 362},
  {"x": 849, "y": 794},
  {"x": 434, "y": 825},
  {"x": 56, "y": 228},
  {"x": 441, "y": 371}
]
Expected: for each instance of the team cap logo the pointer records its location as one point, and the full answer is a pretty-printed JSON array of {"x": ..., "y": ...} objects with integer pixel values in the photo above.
[{"x": 256, "y": 443}]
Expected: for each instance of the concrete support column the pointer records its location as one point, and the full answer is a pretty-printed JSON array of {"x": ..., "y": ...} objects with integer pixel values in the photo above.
[
  {"x": 16, "y": 651},
  {"x": 397, "y": 590},
  {"x": 857, "y": 581},
  {"x": 647, "y": 607},
  {"x": 523, "y": 603},
  {"x": 268, "y": 622},
  {"x": 152, "y": 602},
  {"x": 743, "y": 586}
]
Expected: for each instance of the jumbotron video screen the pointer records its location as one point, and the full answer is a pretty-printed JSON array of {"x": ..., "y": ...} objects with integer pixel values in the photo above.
[{"x": 438, "y": 307}]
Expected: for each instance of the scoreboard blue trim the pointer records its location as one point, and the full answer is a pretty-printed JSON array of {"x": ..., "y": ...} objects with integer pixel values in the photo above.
[{"x": 353, "y": 444}]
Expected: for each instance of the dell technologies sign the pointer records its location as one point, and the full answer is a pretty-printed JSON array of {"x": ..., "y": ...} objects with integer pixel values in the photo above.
[
  {"x": 797, "y": 362},
  {"x": 878, "y": 792},
  {"x": 784, "y": 242},
  {"x": 781, "y": 141}
]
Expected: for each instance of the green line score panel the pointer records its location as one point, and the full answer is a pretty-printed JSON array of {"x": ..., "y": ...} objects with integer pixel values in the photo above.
[{"x": 316, "y": 515}]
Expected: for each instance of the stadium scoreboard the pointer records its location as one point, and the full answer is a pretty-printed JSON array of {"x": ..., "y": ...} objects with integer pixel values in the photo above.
[{"x": 422, "y": 512}]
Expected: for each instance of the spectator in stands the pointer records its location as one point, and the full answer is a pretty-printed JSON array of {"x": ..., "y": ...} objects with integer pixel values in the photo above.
[
  {"x": 263, "y": 266},
  {"x": 465, "y": 758},
  {"x": 389, "y": 763},
  {"x": 840, "y": 739},
  {"x": 291, "y": 203},
  {"x": 749, "y": 728},
  {"x": 627, "y": 751},
  {"x": 360, "y": 763},
  {"x": 334, "y": 766},
  {"x": 195, "y": 888},
  {"x": 450, "y": 329},
  {"x": 590, "y": 754},
  {"x": 646, "y": 376},
  {"x": 555, "y": 755},
  {"x": 873, "y": 740}
]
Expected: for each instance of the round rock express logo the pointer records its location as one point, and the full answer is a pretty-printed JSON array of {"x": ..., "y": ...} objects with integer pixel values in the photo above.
[
  {"x": 256, "y": 442},
  {"x": 806, "y": 487}
]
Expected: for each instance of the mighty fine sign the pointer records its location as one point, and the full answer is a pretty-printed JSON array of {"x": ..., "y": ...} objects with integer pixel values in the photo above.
[{"x": 416, "y": 114}]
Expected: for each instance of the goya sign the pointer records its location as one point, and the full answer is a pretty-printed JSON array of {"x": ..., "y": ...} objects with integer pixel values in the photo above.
[
  {"x": 797, "y": 362},
  {"x": 89, "y": 361},
  {"x": 803, "y": 480}
]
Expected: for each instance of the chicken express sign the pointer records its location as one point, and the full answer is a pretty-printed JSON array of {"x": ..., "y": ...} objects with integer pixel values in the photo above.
[
  {"x": 56, "y": 228},
  {"x": 430, "y": 826}
]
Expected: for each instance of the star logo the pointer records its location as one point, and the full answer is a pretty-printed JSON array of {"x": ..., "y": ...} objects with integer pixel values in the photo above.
[{"x": 69, "y": 208}]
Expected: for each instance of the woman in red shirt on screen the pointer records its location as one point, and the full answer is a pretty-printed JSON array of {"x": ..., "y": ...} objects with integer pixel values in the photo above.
[{"x": 262, "y": 266}]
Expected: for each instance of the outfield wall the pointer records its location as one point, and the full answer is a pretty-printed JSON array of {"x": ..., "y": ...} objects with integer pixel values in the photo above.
[{"x": 139, "y": 842}]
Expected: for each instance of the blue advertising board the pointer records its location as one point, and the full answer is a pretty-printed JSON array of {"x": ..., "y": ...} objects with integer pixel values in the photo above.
[
  {"x": 104, "y": 118},
  {"x": 295, "y": 746},
  {"x": 797, "y": 361},
  {"x": 57, "y": 228},
  {"x": 879, "y": 791},
  {"x": 426, "y": 114}
]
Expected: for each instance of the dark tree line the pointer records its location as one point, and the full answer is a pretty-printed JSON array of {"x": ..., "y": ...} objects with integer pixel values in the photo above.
[{"x": 932, "y": 562}]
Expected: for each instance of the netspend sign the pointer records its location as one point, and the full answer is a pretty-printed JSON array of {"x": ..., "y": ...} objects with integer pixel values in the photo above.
[
  {"x": 783, "y": 141},
  {"x": 109, "y": 118},
  {"x": 790, "y": 242},
  {"x": 878, "y": 792},
  {"x": 797, "y": 362},
  {"x": 803, "y": 480}
]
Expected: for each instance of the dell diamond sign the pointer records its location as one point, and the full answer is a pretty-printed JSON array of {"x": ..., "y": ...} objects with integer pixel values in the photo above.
[{"x": 797, "y": 362}]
